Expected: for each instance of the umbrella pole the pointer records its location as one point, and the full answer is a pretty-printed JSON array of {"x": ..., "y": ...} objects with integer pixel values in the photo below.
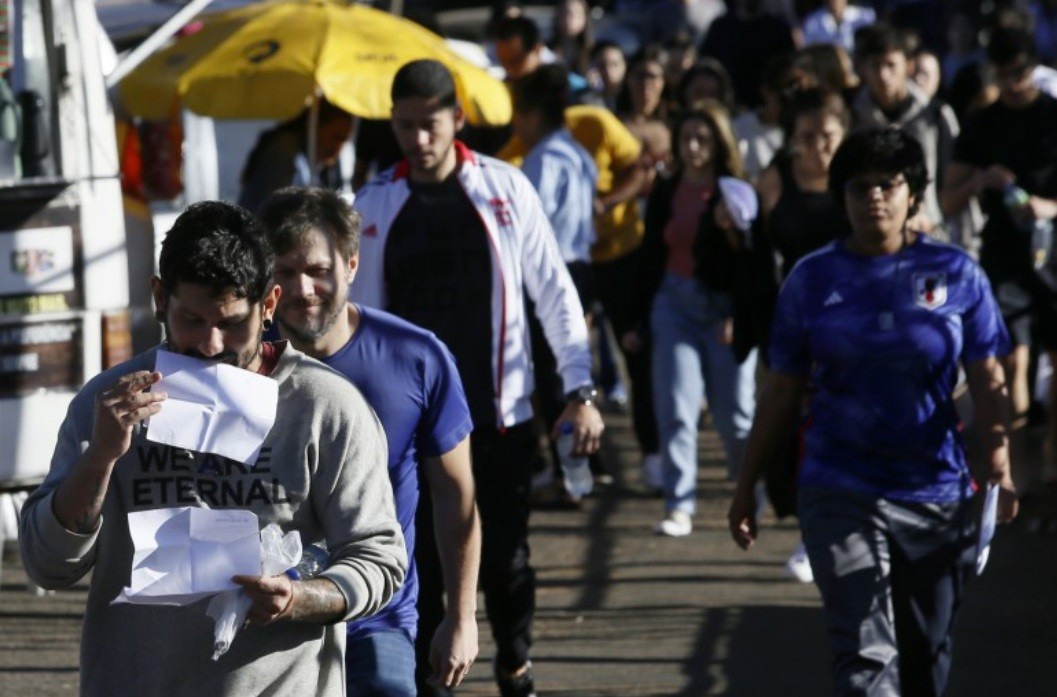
[{"x": 313, "y": 138}]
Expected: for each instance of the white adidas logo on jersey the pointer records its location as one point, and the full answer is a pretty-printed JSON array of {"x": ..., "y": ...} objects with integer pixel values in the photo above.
[{"x": 834, "y": 298}]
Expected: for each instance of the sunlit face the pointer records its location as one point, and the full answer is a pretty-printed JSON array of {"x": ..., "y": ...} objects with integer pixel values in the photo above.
[
  {"x": 314, "y": 280},
  {"x": 646, "y": 84},
  {"x": 927, "y": 74},
  {"x": 878, "y": 204},
  {"x": 704, "y": 86},
  {"x": 679, "y": 61},
  {"x": 516, "y": 59},
  {"x": 332, "y": 136},
  {"x": 697, "y": 144},
  {"x": 815, "y": 139},
  {"x": 612, "y": 67},
  {"x": 223, "y": 328},
  {"x": 572, "y": 18},
  {"x": 886, "y": 77},
  {"x": 425, "y": 131}
]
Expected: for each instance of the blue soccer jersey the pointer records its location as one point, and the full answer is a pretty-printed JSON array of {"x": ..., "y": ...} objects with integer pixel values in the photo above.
[
  {"x": 881, "y": 339},
  {"x": 409, "y": 378}
]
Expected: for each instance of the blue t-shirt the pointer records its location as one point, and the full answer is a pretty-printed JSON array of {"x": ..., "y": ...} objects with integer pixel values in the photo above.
[
  {"x": 409, "y": 378},
  {"x": 881, "y": 339}
]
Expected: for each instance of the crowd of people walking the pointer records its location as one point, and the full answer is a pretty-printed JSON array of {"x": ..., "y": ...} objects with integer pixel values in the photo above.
[{"x": 813, "y": 223}]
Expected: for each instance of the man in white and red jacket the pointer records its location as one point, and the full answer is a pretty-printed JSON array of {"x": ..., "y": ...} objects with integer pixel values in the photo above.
[{"x": 452, "y": 240}]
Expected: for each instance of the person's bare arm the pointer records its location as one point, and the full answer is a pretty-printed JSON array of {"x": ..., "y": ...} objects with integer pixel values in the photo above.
[
  {"x": 316, "y": 600},
  {"x": 987, "y": 385},
  {"x": 453, "y": 648},
  {"x": 769, "y": 186},
  {"x": 627, "y": 184},
  {"x": 78, "y": 501},
  {"x": 776, "y": 413},
  {"x": 962, "y": 182}
]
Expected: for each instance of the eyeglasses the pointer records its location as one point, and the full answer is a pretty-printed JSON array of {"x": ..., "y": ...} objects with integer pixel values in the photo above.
[{"x": 862, "y": 188}]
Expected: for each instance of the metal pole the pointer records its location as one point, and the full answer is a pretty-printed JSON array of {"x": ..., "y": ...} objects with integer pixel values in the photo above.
[
  {"x": 155, "y": 41},
  {"x": 313, "y": 138}
]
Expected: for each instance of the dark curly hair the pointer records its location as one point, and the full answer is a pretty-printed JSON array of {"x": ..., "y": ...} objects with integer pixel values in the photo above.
[
  {"x": 218, "y": 245},
  {"x": 880, "y": 150}
]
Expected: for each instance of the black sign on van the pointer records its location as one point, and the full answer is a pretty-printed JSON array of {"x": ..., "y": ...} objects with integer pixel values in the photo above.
[{"x": 41, "y": 355}]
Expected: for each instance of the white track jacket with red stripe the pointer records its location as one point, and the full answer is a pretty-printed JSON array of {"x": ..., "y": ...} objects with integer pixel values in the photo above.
[{"x": 524, "y": 255}]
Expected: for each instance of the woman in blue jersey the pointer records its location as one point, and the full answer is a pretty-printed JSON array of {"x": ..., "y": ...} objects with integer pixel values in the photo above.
[{"x": 873, "y": 328}]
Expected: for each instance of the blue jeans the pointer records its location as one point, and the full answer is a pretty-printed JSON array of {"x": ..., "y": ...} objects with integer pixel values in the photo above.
[
  {"x": 690, "y": 361},
  {"x": 381, "y": 664}
]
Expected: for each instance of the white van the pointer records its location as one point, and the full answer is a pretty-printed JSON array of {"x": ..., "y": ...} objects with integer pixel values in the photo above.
[{"x": 66, "y": 311}]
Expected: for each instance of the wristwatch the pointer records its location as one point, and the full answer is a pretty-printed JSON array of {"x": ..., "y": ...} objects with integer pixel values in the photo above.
[{"x": 585, "y": 394}]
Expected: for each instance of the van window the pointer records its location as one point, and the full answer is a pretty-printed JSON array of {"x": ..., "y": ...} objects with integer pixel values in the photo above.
[{"x": 27, "y": 124}]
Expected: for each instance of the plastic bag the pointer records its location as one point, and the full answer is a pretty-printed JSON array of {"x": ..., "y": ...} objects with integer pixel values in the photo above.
[{"x": 229, "y": 609}]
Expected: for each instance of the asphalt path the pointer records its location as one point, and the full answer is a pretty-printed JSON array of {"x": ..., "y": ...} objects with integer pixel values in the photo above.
[{"x": 622, "y": 612}]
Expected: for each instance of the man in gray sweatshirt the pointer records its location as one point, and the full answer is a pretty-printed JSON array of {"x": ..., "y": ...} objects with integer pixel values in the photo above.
[
  {"x": 320, "y": 471},
  {"x": 890, "y": 99}
]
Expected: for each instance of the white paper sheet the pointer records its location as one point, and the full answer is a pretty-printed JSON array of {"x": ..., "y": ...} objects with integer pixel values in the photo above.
[
  {"x": 988, "y": 518},
  {"x": 213, "y": 407},
  {"x": 185, "y": 554}
]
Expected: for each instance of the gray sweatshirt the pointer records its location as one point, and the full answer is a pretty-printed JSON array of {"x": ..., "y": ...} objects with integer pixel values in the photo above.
[
  {"x": 933, "y": 124},
  {"x": 321, "y": 471}
]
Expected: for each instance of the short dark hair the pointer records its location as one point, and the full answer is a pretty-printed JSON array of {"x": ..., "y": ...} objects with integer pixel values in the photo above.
[
  {"x": 545, "y": 90},
  {"x": 813, "y": 100},
  {"x": 967, "y": 85},
  {"x": 520, "y": 27},
  {"x": 879, "y": 39},
  {"x": 1006, "y": 44},
  {"x": 604, "y": 45},
  {"x": 879, "y": 150},
  {"x": 426, "y": 79},
  {"x": 290, "y": 213},
  {"x": 707, "y": 66},
  {"x": 220, "y": 246}
]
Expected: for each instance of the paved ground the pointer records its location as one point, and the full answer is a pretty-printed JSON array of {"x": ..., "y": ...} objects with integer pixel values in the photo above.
[{"x": 625, "y": 613}]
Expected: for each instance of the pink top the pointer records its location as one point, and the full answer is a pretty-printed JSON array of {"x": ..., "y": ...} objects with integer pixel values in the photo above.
[{"x": 688, "y": 203}]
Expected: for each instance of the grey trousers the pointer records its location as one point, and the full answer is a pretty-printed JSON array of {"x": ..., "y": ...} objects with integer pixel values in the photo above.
[{"x": 891, "y": 575}]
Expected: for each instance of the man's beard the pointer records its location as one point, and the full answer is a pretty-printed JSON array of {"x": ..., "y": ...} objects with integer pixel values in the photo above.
[
  {"x": 308, "y": 334},
  {"x": 239, "y": 360}
]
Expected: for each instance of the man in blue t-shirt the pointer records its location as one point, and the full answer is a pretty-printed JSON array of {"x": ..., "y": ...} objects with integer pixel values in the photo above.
[{"x": 409, "y": 377}]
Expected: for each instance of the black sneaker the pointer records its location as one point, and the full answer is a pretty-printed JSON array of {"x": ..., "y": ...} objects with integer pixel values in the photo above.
[{"x": 520, "y": 686}]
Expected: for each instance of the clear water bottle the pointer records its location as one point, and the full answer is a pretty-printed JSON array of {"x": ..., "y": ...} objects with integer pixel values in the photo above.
[
  {"x": 1014, "y": 197},
  {"x": 1041, "y": 231},
  {"x": 575, "y": 470},
  {"x": 1041, "y": 243},
  {"x": 314, "y": 559}
]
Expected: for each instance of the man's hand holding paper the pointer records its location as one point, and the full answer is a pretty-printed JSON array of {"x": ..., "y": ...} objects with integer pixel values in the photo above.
[{"x": 185, "y": 554}]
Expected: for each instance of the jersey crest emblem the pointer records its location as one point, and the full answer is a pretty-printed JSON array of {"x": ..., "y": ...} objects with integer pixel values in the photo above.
[
  {"x": 501, "y": 209},
  {"x": 930, "y": 289}
]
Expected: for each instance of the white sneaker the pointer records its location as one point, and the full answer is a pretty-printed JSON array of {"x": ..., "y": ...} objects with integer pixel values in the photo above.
[
  {"x": 677, "y": 524},
  {"x": 653, "y": 471},
  {"x": 799, "y": 566}
]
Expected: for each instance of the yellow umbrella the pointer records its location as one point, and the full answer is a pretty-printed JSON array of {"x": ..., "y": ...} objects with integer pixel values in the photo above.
[{"x": 270, "y": 61}]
